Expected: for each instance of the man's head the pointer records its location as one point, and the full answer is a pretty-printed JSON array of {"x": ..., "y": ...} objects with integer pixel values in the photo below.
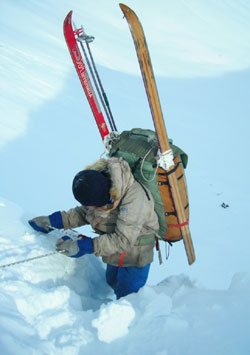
[{"x": 91, "y": 188}]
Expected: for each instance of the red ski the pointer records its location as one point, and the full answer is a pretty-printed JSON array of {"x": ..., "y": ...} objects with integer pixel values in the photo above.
[{"x": 70, "y": 37}]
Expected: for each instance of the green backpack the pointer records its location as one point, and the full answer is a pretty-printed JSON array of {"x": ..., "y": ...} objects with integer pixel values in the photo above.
[{"x": 139, "y": 148}]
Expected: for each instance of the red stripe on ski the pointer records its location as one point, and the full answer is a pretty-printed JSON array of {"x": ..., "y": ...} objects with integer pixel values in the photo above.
[{"x": 83, "y": 75}]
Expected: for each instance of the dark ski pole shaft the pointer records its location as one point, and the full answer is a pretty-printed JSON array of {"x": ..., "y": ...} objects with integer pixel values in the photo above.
[
  {"x": 83, "y": 38},
  {"x": 102, "y": 89}
]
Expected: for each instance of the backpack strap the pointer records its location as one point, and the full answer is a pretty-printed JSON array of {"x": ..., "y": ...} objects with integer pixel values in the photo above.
[
  {"x": 136, "y": 164},
  {"x": 144, "y": 188},
  {"x": 133, "y": 171}
]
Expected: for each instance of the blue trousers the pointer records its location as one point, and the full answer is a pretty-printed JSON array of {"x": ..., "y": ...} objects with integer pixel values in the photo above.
[{"x": 126, "y": 280}]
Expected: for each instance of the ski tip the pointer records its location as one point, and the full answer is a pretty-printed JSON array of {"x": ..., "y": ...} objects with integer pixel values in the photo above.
[
  {"x": 128, "y": 13},
  {"x": 125, "y": 9},
  {"x": 70, "y": 13},
  {"x": 68, "y": 19}
]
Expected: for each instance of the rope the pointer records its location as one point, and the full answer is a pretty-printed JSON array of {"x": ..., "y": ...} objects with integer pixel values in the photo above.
[
  {"x": 143, "y": 160},
  {"x": 30, "y": 259},
  {"x": 73, "y": 234}
]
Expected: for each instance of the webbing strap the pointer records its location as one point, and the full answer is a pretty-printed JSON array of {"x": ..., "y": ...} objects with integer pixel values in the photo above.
[
  {"x": 174, "y": 213},
  {"x": 121, "y": 258},
  {"x": 157, "y": 246},
  {"x": 135, "y": 165},
  {"x": 147, "y": 194},
  {"x": 178, "y": 225},
  {"x": 166, "y": 182},
  {"x": 171, "y": 171}
]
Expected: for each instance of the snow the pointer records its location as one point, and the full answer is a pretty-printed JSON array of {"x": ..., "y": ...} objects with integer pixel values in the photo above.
[
  {"x": 108, "y": 322},
  {"x": 58, "y": 305}
]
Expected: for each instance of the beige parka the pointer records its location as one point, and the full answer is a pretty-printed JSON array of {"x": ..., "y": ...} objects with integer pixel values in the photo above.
[{"x": 124, "y": 225}]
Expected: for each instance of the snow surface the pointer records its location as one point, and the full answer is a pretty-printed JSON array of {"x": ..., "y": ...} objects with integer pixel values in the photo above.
[{"x": 56, "y": 305}]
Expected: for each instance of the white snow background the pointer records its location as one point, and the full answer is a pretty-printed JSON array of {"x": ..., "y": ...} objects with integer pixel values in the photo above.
[{"x": 201, "y": 56}]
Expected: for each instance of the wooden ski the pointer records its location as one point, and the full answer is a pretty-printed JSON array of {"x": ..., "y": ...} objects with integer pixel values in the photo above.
[{"x": 155, "y": 107}]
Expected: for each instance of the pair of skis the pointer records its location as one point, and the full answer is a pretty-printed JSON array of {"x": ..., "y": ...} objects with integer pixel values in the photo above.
[{"x": 154, "y": 103}]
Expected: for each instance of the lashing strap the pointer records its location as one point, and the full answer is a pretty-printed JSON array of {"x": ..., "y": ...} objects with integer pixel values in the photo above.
[
  {"x": 121, "y": 258},
  {"x": 174, "y": 213},
  {"x": 166, "y": 182},
  {"x": 178, "y": 225},
  {"x": 171, "y": 171}
]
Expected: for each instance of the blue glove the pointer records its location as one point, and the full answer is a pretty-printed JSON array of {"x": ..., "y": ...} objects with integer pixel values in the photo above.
[
  {"x": 44, "y": 223},
  {"x": 75, "y": 248},
  {"x": 56, "y": 220}
]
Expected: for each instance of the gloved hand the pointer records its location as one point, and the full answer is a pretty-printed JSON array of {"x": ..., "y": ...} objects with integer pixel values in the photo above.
[
  {"x": 41, "y": 224},
  {"x": 44, "y": 223},
  {"x": 75, "y": 248}
]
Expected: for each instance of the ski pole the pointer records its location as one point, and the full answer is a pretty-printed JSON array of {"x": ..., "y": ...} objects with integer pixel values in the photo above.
[
  {"x": 82, "y": 37},
  {"x": 30, "y": 259},
  {"x": 101, "y": 87}
]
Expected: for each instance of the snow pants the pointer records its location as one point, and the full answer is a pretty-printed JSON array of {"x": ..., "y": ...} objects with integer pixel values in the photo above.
[{"x": 126, "y": 280}]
